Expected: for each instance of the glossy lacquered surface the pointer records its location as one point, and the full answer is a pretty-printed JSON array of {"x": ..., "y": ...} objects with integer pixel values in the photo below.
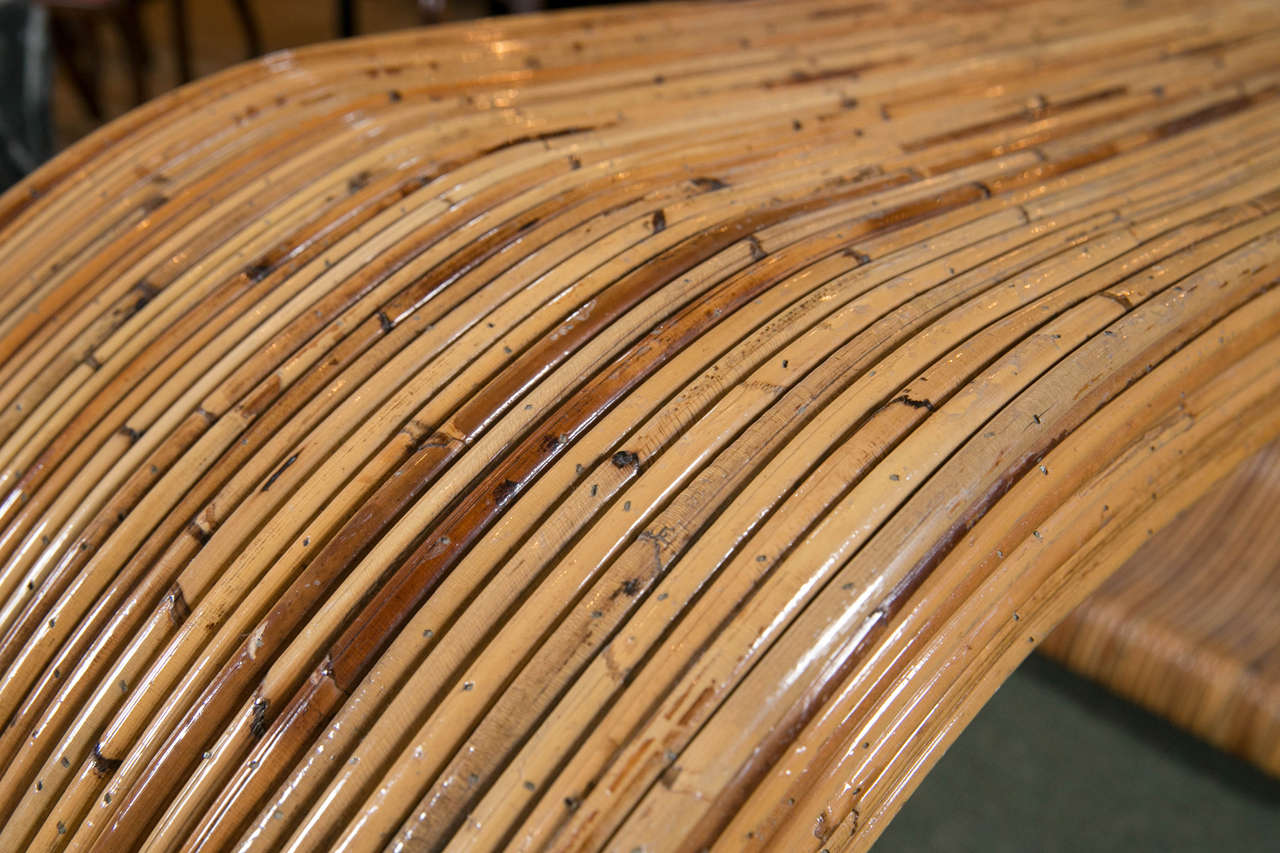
[{"x": 655, "y": 427}]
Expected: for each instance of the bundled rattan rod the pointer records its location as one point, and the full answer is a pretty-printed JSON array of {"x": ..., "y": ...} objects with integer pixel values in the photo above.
[{"x": 652, "y": 427}]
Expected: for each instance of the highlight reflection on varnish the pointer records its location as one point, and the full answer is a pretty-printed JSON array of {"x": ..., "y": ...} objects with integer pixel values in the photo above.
[{"x": 664, "y": 431}]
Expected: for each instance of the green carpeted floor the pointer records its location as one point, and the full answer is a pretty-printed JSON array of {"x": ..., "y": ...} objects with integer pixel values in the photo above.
[{"x": 1055, "y": 763}]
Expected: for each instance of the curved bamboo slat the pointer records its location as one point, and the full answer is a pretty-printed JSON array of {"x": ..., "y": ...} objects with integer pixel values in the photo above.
[
  {"x": 651, "y": 428},
  {"x": 1187, "y": 626}
]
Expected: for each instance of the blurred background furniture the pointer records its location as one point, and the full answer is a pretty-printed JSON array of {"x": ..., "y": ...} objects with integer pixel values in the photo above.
[
  {"x": 348, "y": 24},
  {"x": 112, "y": 54},
  {"x": 26, "y": 129},
  {"x": 77, "y": 25}
]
